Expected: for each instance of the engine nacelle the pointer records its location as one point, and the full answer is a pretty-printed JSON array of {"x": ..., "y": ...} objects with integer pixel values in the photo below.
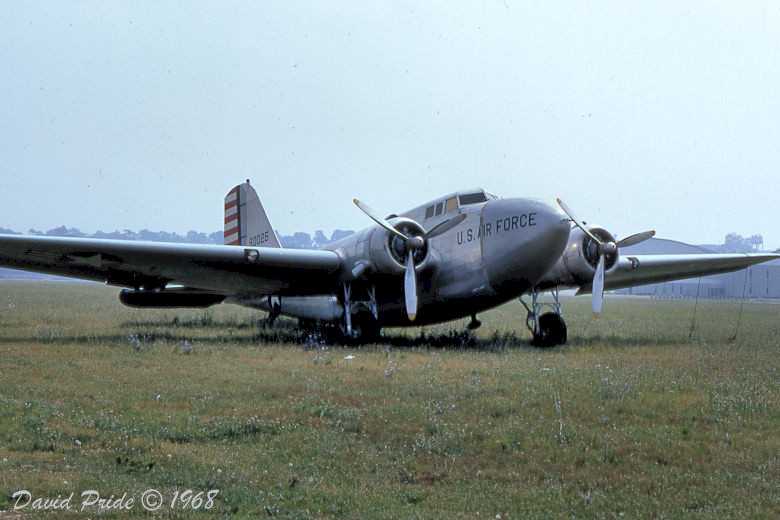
[
  {"x": 388, "y": 253},
  {"x": 578, "y": 262}
]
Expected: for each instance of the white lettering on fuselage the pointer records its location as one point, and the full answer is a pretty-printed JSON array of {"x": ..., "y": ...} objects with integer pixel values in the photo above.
[{"x": 499, "y": 227}]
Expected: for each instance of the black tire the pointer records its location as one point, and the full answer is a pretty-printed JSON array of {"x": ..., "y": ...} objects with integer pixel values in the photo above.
[
  {"x": 365, "y": 330},
  {"x": 552, "y": 331}
]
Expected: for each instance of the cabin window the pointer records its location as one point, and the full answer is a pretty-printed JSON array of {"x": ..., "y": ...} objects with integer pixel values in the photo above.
[
  {"x": 472, "y": 198},
  {"x": 439, "y": 208},
  {"x": 429, "y": 212},
  {"x": 452, "y": 204}
]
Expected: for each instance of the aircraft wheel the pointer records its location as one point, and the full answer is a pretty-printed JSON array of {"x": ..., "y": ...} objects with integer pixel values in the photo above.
[
  {"x": 367, "y": 331},
  {"x": 552, "y": 330},
  {"x": 364, "y": 331}
]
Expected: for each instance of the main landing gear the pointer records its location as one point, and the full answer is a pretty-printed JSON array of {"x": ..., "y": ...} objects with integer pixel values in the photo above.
[
  {"x": 360, "y": 322},
  {"x": 549, "y": 329}
]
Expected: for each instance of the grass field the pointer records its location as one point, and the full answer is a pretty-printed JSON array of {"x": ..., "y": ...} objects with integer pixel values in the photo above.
[{"x": 641, "y": 415}]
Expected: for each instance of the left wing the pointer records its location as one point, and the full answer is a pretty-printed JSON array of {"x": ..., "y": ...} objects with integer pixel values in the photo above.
[
  {"x": 226, "y": 270},
  {"x": 633, "y": 270}
]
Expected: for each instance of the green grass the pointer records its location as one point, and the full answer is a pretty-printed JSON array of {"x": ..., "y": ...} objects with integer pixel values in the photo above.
[{"x": 639, "y": 415}]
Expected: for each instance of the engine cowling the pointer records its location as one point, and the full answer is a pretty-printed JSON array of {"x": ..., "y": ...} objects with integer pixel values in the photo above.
[
  {"x": 590, "y": 250},
  {"x": 389, "y": 252},
  {"x": 403, "y": 236},
  {"x": 578, "y": 263}
]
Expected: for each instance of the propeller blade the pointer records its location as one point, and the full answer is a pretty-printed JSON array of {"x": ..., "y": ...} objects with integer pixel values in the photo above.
[
  {"x": 636, "y": 239},
  {"x": 598, "y": 287},
  {"x": 379, "y": 220},
  {"x": 410, "y": 287},
  {"x": 445, "y": 226},
  {"x": 574, "y": 219}
]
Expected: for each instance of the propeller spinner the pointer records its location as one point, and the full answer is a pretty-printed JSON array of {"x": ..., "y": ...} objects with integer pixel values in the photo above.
[
  {"x": 605, "y": 248},
  {"x": 413, "y": 243}
]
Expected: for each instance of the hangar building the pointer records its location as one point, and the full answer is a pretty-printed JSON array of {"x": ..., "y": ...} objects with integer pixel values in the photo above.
[{"x": 758, "y": 281}]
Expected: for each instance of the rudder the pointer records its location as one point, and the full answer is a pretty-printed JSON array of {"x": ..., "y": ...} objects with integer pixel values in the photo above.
[{"x": 246, "y": 223}]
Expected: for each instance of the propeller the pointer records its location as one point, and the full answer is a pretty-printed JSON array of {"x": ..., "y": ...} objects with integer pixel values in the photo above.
[
  {"x": 413, "y": 243},
  {"x": 635, "y": 239},
  {"x": 604, "y": 249},
  {"x": 365, "y": 208},
  {"x": 410, "y": 287}
]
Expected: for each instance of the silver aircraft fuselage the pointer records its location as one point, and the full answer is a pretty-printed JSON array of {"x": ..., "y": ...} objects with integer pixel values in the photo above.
[{"x": 500, "y": 250}]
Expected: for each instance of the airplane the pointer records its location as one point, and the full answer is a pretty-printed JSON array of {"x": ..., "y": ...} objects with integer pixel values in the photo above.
[{"x": 453, "y": 257}]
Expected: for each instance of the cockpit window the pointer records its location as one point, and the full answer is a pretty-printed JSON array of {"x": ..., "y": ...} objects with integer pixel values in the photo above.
[
  {"x": 451, "y": 205},
  {"x": 472, "y": 198}
]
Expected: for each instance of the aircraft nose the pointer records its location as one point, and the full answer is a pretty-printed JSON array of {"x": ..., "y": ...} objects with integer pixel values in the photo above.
[
  {"x": 523, "y": 239},
  {"x": 549, "y": 234},
  {"x": 558, "y": 227}
]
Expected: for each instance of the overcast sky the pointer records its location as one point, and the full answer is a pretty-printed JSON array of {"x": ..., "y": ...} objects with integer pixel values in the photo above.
[{"x": 640, "y": 115}]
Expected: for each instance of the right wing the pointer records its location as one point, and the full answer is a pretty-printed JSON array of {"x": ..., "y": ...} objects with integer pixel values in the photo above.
[
  {"x": 225, "y": 270},
  {"x": 633, "y": 270}
]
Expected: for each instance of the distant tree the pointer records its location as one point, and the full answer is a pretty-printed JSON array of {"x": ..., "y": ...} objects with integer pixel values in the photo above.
[
  {"x": 63, "y": 231},
  {"x": 195, "y": 237},
  {"x": 757, "y": 241},
  {"x": 733, "y": 243},
  {"x": 114, "y": 235},
  {"x": 129, "y": 234},
  {"x": 4, "y": 231},
  {"x": 338, "y": 234},
  {"x": 319, "y": 239},
  {"x": 217, "y": 237},
  {"x": 304, "y": 239},
  {"x": 147, "y": 235},
  {"x": 301, "y": 240},
  {"x": 738, "y": 244}
]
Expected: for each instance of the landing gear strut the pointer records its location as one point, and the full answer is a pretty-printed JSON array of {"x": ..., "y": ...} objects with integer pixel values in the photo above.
[
  {"x": 275, "y": 309},
  {"x": 549, "y": 329},
  {"x": 474, "y": 324},
  {"x": 360, "y": 323}
]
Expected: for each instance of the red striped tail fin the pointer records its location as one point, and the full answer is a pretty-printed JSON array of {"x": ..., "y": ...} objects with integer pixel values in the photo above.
[{"x": 246, "y": 223}]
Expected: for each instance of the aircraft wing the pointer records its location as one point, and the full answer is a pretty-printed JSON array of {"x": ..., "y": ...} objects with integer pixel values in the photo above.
[
  {"x": 633, "y": 270},
  {"x": 227, "y": 270}
]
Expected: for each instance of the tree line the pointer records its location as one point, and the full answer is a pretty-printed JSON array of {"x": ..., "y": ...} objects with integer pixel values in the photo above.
[{"x": 298, "y": 240}]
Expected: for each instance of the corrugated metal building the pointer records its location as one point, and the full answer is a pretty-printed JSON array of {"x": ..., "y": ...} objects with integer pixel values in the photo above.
[{"x": 758, "y": 281}]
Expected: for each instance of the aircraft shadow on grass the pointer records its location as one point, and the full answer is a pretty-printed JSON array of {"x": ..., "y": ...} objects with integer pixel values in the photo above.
[{"x": 200, "y": 331}]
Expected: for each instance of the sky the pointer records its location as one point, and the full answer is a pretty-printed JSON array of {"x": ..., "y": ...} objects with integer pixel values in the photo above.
[{"x": 640, "y": 115}]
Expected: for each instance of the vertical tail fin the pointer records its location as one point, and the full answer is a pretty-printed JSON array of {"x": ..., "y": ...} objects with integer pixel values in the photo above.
[{"x": 246, "y": 223}]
